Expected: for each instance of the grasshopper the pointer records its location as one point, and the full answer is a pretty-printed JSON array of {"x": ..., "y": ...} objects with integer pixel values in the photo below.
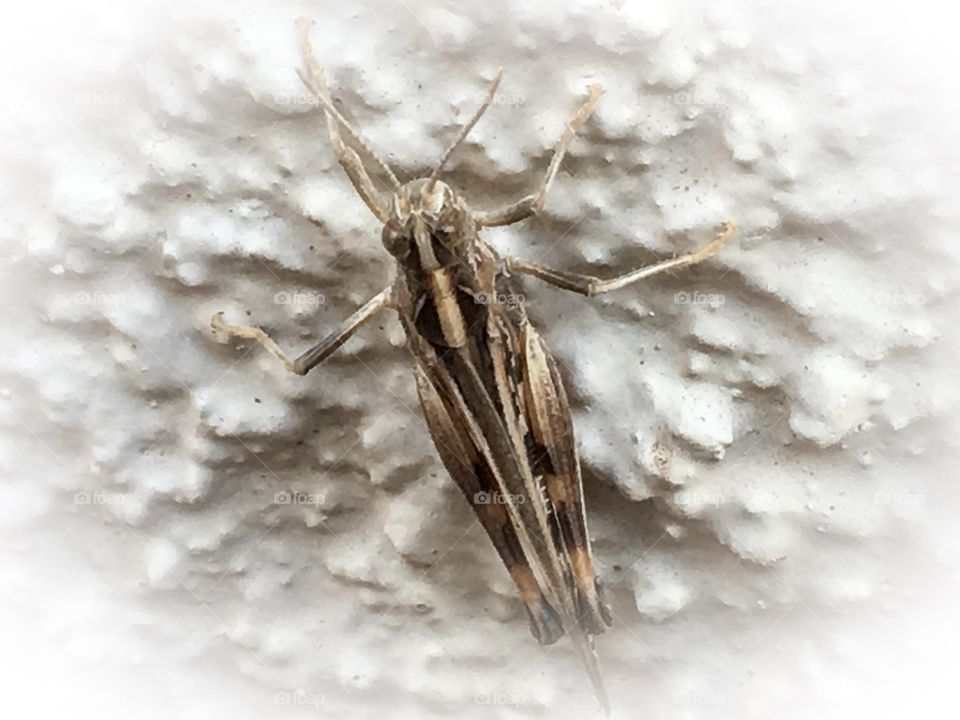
[{"x": 490, "y": 391}]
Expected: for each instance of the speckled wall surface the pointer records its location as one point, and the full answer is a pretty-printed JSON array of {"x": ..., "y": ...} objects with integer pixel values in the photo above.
[{"x": 768, "y": 439}]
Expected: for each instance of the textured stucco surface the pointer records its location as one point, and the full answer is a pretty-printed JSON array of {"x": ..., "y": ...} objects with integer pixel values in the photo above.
[{"x": 768, "y": 439}]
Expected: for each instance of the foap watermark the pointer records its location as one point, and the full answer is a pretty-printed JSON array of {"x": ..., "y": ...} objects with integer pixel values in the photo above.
[
  {"x": 499, "y": 298},
  {"x": 701, "y": 498},
  {"x": 699, "y": 697},
  {"x": 497, "y": 498},
  {"x": 100, "y": 98},
  {"x": 896, "y": 298},
  {"x": 695, "y": 297},
  {"x": 97, "y": 298},
  {"x": 697, "y": 98},
  {"x": 299, "y": 498},
  {"x": 903, "y": 498},
  {"x": 300, "y": 298},
  {"x": 296, "y": 99},
  {"x": 97, "y": 497},
  {"x": 502, "y": 698},
  {"x": 299, "y": 697},
  {"x": 500, "y": 98}
]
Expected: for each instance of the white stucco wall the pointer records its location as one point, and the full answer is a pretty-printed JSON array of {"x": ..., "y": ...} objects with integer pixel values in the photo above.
[{"x": 796, "y": 559}]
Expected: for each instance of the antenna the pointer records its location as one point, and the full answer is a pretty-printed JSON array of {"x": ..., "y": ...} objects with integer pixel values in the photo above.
[{"x": 466, "y": 129}]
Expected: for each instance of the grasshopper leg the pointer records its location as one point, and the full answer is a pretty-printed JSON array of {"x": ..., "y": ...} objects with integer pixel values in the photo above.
[
  {"x": 532, "y": 204},
  {"x": 319, "y": 352},
  {"x": 589, "y": 285}
]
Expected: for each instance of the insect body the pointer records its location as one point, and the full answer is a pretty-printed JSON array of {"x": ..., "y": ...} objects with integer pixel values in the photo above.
[{"x": 490, "y": 390}]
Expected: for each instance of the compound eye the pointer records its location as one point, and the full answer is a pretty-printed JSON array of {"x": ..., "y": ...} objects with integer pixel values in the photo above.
[{"x": 395, "y": 240}]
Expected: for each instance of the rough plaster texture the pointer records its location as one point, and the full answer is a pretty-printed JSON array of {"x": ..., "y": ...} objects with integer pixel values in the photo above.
[{"x": 768, "y": 439}]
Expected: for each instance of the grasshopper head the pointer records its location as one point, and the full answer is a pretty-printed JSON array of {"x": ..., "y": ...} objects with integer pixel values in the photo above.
[{"x": 429, "y": 224}]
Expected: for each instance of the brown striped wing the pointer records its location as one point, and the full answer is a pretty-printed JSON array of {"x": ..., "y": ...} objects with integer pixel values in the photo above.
[
  {"x": 469, "y": 462},
  {"x": 553, "y": 457},
  {"x": 499, "y": 418}
]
